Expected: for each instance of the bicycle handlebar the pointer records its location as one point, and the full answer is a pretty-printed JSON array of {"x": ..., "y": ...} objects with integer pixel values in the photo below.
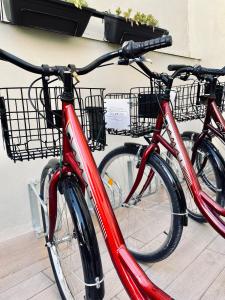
[
  {"x": 96, "y": 63},
  {"x": 6, "y": 56},
  {"x": 176, "y": 67},
  {"x": 128, "y": 50},
  {"x": 197, "y": 70},
  {"x": 133, "y": 49}
]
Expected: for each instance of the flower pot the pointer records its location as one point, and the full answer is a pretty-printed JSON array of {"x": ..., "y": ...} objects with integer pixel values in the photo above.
[
  {"x": 52, "y": 15},
  {"x": 118, "y": 30}
]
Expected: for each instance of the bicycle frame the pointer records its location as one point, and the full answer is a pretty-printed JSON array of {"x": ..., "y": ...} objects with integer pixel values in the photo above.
[
  {"x": 77, "y": 158},
  {"x": 212, "y": 113},
  {"x": 209, "y": 208}
]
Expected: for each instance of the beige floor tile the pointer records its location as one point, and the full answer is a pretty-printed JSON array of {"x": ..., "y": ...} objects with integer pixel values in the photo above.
[
  {"x": 21, "y": 252},
  {"x": 23, "y": 274},
  {"x": 198, "y": 276},
  {"x": 51, "y": 293},
  {"x": 122, "y": 296},
  {"x": 195, "y": 239},
  {"x": 27, "y": 288},
  {"x": 196, "y": 269},
  {"x": 49, "y": 273},
  {"x": 216, "y": 291},
  {"x": 218, "y": 245}
]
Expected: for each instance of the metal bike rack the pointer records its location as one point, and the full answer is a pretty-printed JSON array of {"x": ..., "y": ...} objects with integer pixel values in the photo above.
[
  {"x": 35, "y": 207},
  {"x": 33, "y": 188},
  {"x": 2, "y": 13}
]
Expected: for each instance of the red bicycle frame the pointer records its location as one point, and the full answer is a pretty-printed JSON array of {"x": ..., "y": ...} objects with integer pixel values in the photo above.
[
  {"x": 77, "y": 158},
  {"x": 212, "y": 113},
  {"x": 209, "y": 208}
]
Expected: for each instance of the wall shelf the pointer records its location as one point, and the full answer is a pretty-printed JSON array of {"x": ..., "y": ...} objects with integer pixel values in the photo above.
[{"x": 64, "y": 17}]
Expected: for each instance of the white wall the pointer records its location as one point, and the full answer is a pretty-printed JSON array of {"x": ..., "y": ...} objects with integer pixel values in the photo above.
[
  {"x": 44, "y": 47},
  {"x": 207, "y": 31},
  {"x": 207, "y": 37}
]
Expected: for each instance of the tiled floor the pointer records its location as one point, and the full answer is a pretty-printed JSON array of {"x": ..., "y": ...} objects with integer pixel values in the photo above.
[{"x": 196, "y": 270}]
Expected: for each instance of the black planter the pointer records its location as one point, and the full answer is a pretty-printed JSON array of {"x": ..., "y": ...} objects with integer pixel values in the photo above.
[
  {"x": 118, "y": 30},
  {"x": 53, "y": 15}
]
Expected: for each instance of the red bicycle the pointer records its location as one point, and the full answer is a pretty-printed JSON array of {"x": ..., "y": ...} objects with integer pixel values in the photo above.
[
  {"x": 151, "y": 116},
  {"x": 69, "y": 231},
  {"x": 203, "y": 100}
]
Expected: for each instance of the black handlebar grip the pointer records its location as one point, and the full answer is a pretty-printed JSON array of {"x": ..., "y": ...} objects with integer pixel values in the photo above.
[
  {"x": 176, "y": 67},
  {"x": 133, "y": 49},
  {"x": 2, "y": 55}
]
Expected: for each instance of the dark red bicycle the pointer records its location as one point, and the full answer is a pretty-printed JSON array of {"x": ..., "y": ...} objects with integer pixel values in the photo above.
[
  {"x": 69, "y": 231},
  {"x": 151, "y": 116},
  {"x": 202, "y": 100}
]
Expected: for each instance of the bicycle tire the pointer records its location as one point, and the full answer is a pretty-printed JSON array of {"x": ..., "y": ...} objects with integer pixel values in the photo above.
[
  {"x": 82, "y": 230},
  {"x": 215, "y": 160},
  {"x": 176, "y": 197}
]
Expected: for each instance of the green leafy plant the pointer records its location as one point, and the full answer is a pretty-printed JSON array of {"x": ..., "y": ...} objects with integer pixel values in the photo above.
[
  {"x": 118, "y": 11},
  {"x": 78, "y": 3},
  {"x": 127, "y": 14},
  {"x": 141, "y": 18},
  {"x": 137, "y": 18},
  {"x": 151, "y": 21}
]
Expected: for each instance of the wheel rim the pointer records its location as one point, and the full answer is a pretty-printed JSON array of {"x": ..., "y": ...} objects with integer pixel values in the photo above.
[
  {"x": 64, "y": 250},
  {"x": 146, "y": 224}
]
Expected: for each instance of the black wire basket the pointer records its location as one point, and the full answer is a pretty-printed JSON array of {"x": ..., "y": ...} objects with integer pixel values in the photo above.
[
  {"x": 145, "y": 111},
  {"x": 32, "y": 129},
  {"x": 189, "y": 102},
  {"x": 144, "y": 106}
]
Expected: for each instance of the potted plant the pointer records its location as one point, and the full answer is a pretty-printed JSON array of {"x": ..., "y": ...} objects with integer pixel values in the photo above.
[
  {"x": 138, "y": 28},
  {"x": 69, "y": 17}
]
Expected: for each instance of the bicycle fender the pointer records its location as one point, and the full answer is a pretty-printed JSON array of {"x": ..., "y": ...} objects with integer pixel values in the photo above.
[{"x": 214, "y": 152}]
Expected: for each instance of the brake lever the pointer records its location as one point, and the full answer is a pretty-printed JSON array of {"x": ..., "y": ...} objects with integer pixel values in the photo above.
[
  {"x": 184, "y": 76},
  {"x": 125, "y": 61},
  {"x": 144, "y": 59}
]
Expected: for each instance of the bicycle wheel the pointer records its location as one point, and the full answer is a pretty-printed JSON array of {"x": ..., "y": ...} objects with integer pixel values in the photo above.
[
  {"x": 152, "y": 221},
  {"x": 209, "y": 167},
  {"x": 74, "y": 252}
]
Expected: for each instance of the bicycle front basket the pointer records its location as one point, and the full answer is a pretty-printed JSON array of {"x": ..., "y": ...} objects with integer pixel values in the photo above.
[{"x": 31, "y": 129}]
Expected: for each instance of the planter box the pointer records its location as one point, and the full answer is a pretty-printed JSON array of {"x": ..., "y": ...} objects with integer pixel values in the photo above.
[
  {"x": 118, "y": 30},
  {"x": 53, "y": 15}
]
